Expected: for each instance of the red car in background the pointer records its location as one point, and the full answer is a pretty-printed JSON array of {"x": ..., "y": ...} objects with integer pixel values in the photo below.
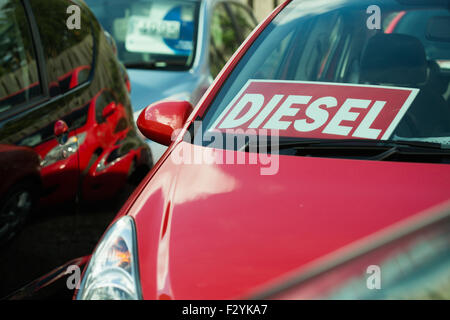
[
  {"x": 100, "y": 150},
  {"x": 321, "y": 134},
  {"x": 106, "y": 159}
]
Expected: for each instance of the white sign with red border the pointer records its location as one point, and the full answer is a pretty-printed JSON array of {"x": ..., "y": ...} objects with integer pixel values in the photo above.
[{"x": 318, "y": 109}]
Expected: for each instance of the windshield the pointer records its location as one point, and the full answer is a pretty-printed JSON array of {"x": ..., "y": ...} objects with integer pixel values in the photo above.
[
  {"x": 150, "y": 33},
  {"x": 344, "y": 70}
]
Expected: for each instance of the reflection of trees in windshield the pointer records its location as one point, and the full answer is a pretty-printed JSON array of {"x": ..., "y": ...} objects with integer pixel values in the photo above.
[
  {"x": 223, "y": 38},
  {"x": 18, "y": 70},
  {"x": 337, "y": 47},
  {"x": 12, "y": 23}
]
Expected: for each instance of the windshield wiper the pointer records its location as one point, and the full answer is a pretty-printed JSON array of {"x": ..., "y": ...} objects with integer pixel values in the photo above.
[
  {"x": 377, "y": 150},
  {"x": 356, "y": 143}
]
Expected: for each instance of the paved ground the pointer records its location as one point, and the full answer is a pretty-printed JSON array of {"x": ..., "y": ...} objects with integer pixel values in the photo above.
[{"x": 52, "y": 238}]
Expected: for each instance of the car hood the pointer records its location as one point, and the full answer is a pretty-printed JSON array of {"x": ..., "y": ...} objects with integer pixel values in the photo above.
[
  {"x": 149, "y": 86},
  {"x": 219, "y": 231}
]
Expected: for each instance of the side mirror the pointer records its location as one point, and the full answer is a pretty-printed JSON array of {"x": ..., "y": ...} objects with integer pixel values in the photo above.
[
  {"x": 109, "y": 110},
  {"x": 158, "y": 121}
]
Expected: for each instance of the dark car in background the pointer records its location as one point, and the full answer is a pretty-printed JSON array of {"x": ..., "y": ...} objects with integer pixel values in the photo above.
[
  {"x": 19, "y": 188},
  {"x": 173, "y": 48},
  {"x": 64, "y": 96}
]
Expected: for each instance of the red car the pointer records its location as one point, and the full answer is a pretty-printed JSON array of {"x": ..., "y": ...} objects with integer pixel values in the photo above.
[
  {"x": 106, "y": 157},
  {"x": 321, "y": 135}
]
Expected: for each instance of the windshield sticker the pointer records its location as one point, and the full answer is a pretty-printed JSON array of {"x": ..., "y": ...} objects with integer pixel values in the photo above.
[
  {"x": 318, "y": 109},
  {"x": 167, "y": 29}
]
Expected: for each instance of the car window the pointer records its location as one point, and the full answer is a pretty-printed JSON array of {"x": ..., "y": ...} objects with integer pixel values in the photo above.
[
  {"x": 335, "y": 50},
  {"x": 155, "y": 34},
  {"x": 19, "y": 80},
  {"x": 224, "y": 39},
  {"x": 320, "y": 49},
  {"x": 245, "y": 21},
  {"x": 270, "y": 68},
  {"x": 415, "y": 23},
  {"x": 67, "y": 52}
]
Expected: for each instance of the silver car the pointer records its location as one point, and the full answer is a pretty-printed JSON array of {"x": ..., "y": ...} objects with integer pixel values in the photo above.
[{"x": 173, "y": 49}]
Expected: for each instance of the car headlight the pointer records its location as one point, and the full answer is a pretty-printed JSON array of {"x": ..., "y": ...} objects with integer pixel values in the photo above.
[
  {"x": 112, "y": 273},
  {"x": 61, "y": 152}
]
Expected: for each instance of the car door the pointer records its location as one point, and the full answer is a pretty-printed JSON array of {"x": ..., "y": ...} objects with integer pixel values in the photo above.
[{"x": 69, "y": 57}]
